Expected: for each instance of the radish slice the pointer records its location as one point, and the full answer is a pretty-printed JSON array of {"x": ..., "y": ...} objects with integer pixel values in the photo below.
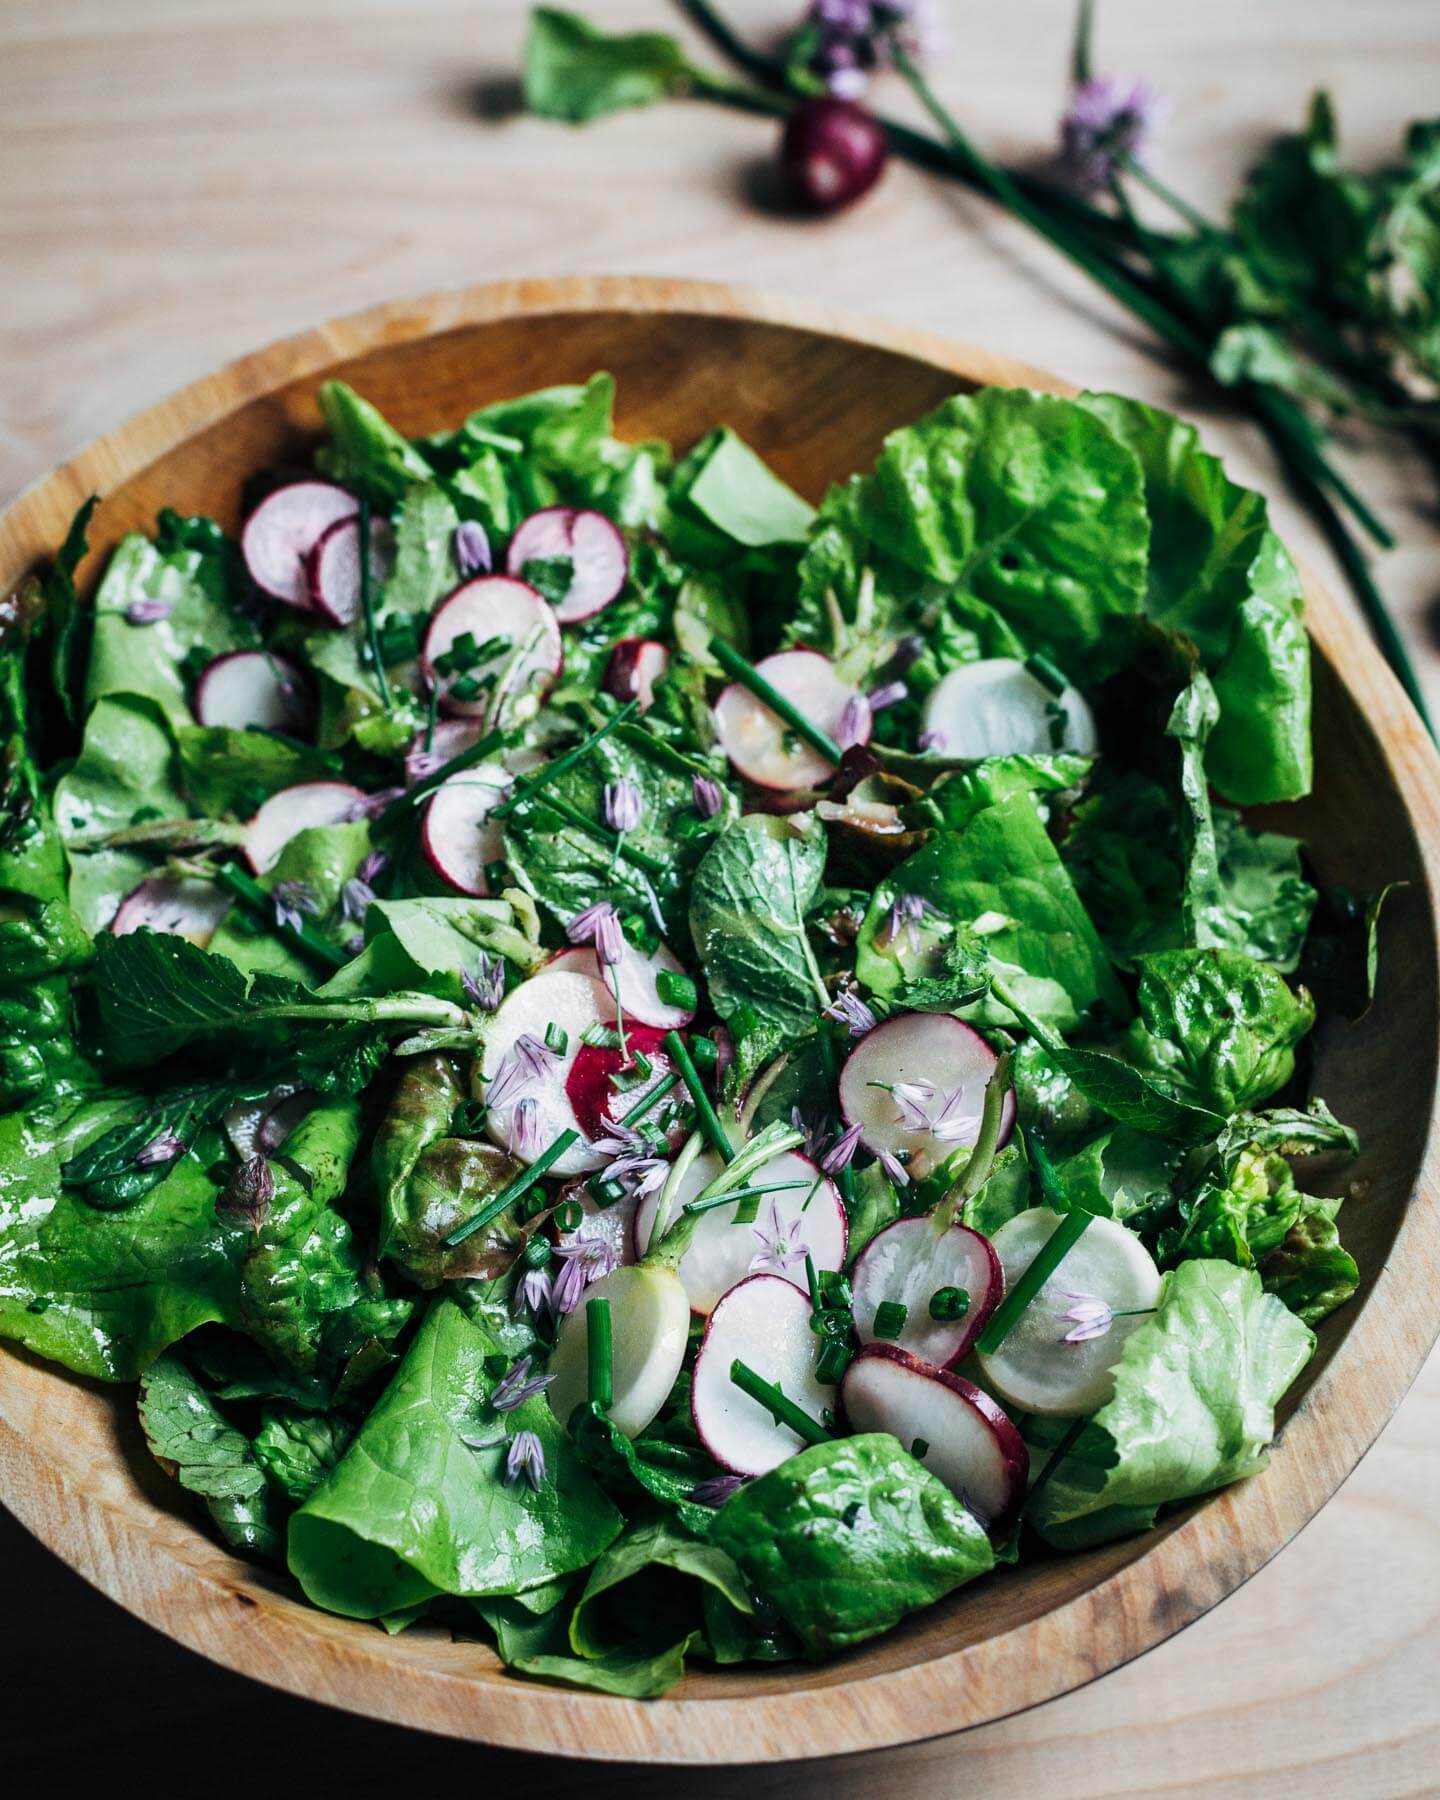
[
  {"x": 448, "y": 739},
  {"x": 590, "y": 1085},
  {"x": 916, "y": 1087},
  {"x": 649, "y": 1329},
  {"x": 613, "y": 1225},
  {"x": 635, "y": 665},
  {"x": 293, "y": 810},
  {"x": 573, "y": 1003},
  {"x": 575, "y": 959},
  {"x": 764, "y": 1322},
  {"x": 284, "y": 528},
  {"x": 494, "y": 606},
  {"x": 250, "y": 690},
  {"x": 180, "y": 906},
  {"x": 589, "y": 542},
  {"x": 457, "y": 836},
  {"x": 944, "y": 1421},
  {"x": 998, "y": 708},
  {"x": 763, "y": 747},
  {"x": 633, "y": 982},
  {"x": 332, "y": 568},
  {"x": 907, "y": 1264},
  {"x": 805, "y": 1216},
  {"x": 1050, "y": 1362}
]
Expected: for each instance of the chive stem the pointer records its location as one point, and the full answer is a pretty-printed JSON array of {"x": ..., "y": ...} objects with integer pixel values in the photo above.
[
  {"x": 651, "y": 1100},
  {"x": 305, "y": 939},
  {"x": 562, "y": 764},
  {"x": 740, "y": 1193},
  {"x": 812, "y": 1281},
  {"x": 749, "y": 676},
  {"x": 513, "y": 1190},
  {"x": 1053, "y": 1462},
  {"x": 600, "y": 1353},
  {"x": 709, "y": 1119},
  {"x": 367, "y": 606},
  {"x": 1061, "y": 1241},
  {"x": 781, "y": 1408},
  {"x": 422, "y": 790}
]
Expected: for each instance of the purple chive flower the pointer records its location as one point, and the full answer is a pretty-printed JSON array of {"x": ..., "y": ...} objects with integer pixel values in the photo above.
[
  {"x": 583, "y": 1261},
  {"x": 634, "y": 1163},
  {"x": 292, "y": 900},
  {"x": 248, "y": 1194},
  {"x": 1088, "y": 1317},
  {"x": 779, "y": 1241},
  {"x": 356, "y": 898},
  {"x": 624, "y": 805},
  {"x": 485, "y": 989},
  {"x": 891, "y": 694},
  {"x": 370, "y": 806},
  {"x": 599, "y": 925},
  {"x": 907, "y": 915},
  {"x": 535, "y": 1055},
  {"x": 508, "y": 1081},
  {"x": 854, "y": 726},
  {"x": 522, "y": 1134},
  {"x": 1108, "y": 123},
  {"x": 717, "y": 1490},
  {"x": 812, "y": 1129},
  {"x": 470, "y": 547},
  {"x": 148, "y": 612},
  {"x": 517, "y": 1385},
  {"x": 533, "y": 1294},
  {"x": 526, "y": 1457},
  {"x": 709, "y": 796},
  {"x": 957, "y": 1120},
  {"x": 839, "y": 1155},
  {"x": 894, "y": 1168},
  {"x": 912, "y": 1101},
  {"x": 849, "y": 1010},
  {"x": 162, "y": 1149},
  {"x": 931, "y": 742},
  {"x": 420, "y": 765}
]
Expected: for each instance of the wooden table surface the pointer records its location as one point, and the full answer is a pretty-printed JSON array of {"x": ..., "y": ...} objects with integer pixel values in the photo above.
[{"x": 183, "y": 180}]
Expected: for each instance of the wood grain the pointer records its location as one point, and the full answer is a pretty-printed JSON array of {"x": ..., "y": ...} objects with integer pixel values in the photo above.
[{"x": 815, "y": 392}]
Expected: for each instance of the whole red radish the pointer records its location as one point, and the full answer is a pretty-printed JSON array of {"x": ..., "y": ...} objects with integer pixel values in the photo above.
[{"x": 831, "y": 152}]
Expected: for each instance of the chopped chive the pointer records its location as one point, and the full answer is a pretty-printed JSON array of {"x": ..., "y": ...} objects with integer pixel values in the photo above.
[
  {"x": 600, "y": 1356},
  {"x": 674, "y": 1048},
  {"x": 749, "y": 676},
  {"x": 652, "y": 1099},
  {"x": 675, "y": 989},
  {"x": 514, "y": 1190},
  {"x": 1061, "y": 1241},
  {"x": 562, "y": 764},
  {"x": 557, "y": 1038},
  {"x": 845, "y": 1179},
  {"x": 781, "y": 1408},
  {"x": 367, "y": 606},
  {"x": 890, "y": 1317},
  {"x": 1045, "y": 672},
  {"x": 604, "y": 1190},
  {"x": 949, "y": 1303},
  {"x": 1053, "y": 1462},
  {"x": 812, "y": 1281},
  {"x": 833, "y": 1361},
  {"x": 705, "y": 1052},
  {"x": 570, "y": 1216},
  {"x": 747, "y": 1206},
  {"x": 917, "y": 1449},
  {"x": 304, "y": 938},
  {"x": 644, "y": 1065},
  {"x": 537, "y": 1252}
]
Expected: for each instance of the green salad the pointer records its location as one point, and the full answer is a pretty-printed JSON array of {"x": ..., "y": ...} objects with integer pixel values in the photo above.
[{"x": 642, "y": 1071}]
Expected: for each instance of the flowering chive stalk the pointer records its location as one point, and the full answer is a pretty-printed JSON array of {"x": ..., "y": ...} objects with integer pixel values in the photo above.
[
  {"x": 517, "y": 1385},
  {"x": 841, "y": 1152},
  {"x": 709, "y": 796},
  {"x": 526, "y": 1457},
  {"x": 584, "y": 1261},
  {"x": 523, "y": 1131},
  {"x": 534, "y": 1293},
  {"x": 485, "y": 988},
  {"x": 717, "y": 1490},
  {"x": 148, "y": 612},
  {"x": 1088, "y": 1317},
  {"x": 780, "y": 1247},
  {"x": 162, "y": 1149},
  {"x": 854, "y": 726},
  {"x": 849, "y": 1010},
  {"x": 470, "y": 548},
  {"x": 908, "y": 915},
  {"x": 624, "y": 805},
  {"x": 891, "y": 694},
  {"x": 1107, "y": 128},
  {"x": 291, "y": 901}
]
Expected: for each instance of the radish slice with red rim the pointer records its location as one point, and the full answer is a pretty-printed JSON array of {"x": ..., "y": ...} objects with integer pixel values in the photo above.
[
  {"x": 296, "y": 809},
  {"x": 635, "y": 665},
  {"x": 763, "y": 1322},
  {"x": 332, "y": 568},
  {"x": 179, "y": 906},
  {"x": 590, "y": 1085},
  {"x": 766, "y": 750},
  {"x": 612, "y": 1226},
  {"x": 282, "y": 531},
  {"x": 996, "y": 707},
  {"x": 457, "y": 835},
  {"x": 1059, "y": 1356},
  {"x": 574, "y": 959},
  {"x": 649, "y": 1330},
  {"x": 510, "y": 1078},
  {"x": 960, "y": 1434},
  {"x": 633, "y": 981},
  {"x": 524, "y": 663},
  {"x": 916, "y": 1088},
  {"x": 251, "y": 690},
  {"x": 907, "y": 1264},
  {"x": 594, "y": 548}
]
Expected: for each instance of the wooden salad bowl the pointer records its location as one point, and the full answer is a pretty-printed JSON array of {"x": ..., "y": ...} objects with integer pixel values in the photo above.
[{"x": 815, "y": 393}]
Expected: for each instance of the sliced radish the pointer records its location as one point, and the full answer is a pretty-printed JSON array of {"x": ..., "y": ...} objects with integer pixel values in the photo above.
[
  {"x": 649, "y": 1329},
  {"x": 762, "y": 746},
  {"x": 250, "y": 690},
  {"x": 764, "y": 1322},
  {"x": 945, "y": 1422},
  {"x": 916, "y": 1088},
  {"x": 574, "y": 959},
  {"x": 293, "y": 810},
  {"x": 284, "y": 528},
  {"x": 589, "y": 542},
  {"x": 573, "y": 1003},
  {"x": 457, "y": 836},
  {"x": 448, "y": 739},
  {"x": 1059, "y": 1356},
  {"x": 998, "y": 708},
  {"x": 590, "y": 1085},
  {"x": 907, "y": 1264},
  {"x": 495, "y": 606},
  {"x": 613, "y": 1225},
  {"x": 332, "y": 568},
  {"x": 633, "y": 982},
  {"x": 180, "y": 906},
  {"x": 635, "y": 665},
  {"x": 804, "y": 1214}
]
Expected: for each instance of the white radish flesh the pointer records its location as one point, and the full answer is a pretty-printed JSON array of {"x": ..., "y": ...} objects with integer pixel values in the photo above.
[
  {"x": 635, "y": 665},
  {"x": 940, "y": 1066},
  {"x": 613, "y": 1225},
  {"x": 250, "y": 690},
  {"x": 762, "y": 746},
  {"x": 587, "y": 540},
  {"x": 332, "y": 569},
  {"x": 1043, "y": 1366},
  {"x": 179, "y": 906},
  {"x": 945, "y": 1422},
  {"x": 763, "y": 1322},
  {"x": 458, "y": 836},
  {"x": 907, "y": 1264},
  {"x": 573, "y": 1003},
  {"x": 282, "y": 531},
  {"x": 998, "y": 708},
  {"x": 649, "y": 1329},
  {"x": 576, "y": 959},
  {"x": 296, "y": 809},
  {"x": 494, "y": 606},
  {"x": 804, "y": 1214},
  {"x": 633, "y": 981}
]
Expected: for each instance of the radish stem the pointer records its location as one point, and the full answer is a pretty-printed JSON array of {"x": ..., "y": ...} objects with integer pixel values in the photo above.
[{"x": 982, "y": 1155}]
